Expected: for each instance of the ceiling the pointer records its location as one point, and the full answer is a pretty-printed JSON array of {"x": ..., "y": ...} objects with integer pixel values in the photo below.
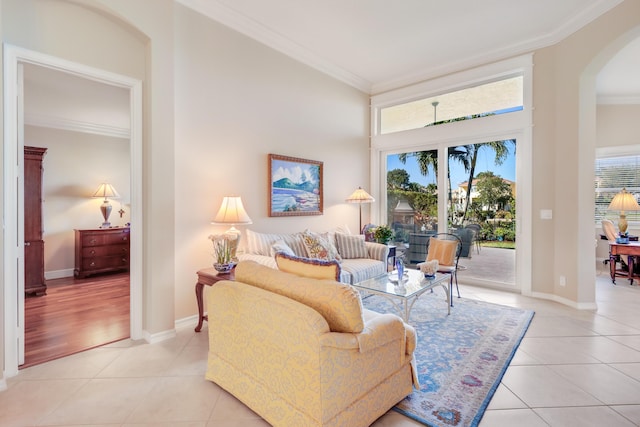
[
  {"x": 373, "y": 45},
  {"x": 379, "y": 45}
]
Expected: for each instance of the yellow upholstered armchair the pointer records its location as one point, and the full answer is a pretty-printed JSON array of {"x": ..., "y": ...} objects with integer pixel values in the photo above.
[{"x": 303, "y": 352}]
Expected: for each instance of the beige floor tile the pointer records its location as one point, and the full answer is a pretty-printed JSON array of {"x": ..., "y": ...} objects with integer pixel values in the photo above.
[
  {"x": 395, "y": 419},
  {"x": 539, "y": 386},
  {"x": 177, "y": 399},
  {"x": 605, "y": 383},
  {"x": 596, "y": 416},
  {"x": 109, "y": 400},
  {"x": 26, "y": 402},
  {"x": 511, "y": 418},
  {"x": 87, "y": 364},
  {"x": 556, "y": 350},
  {"x": 604, "y": 349},
  {"x": 143, "y": 361},
  {"x": 503, "y": 398},
  {"x": 630, "y": 412},
  {"x": 227, "y": 407},
  {"x": 630, "y": 369}
]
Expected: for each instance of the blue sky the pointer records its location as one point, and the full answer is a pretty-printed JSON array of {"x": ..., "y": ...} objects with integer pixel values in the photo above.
[{"x": 485, "y": 163}]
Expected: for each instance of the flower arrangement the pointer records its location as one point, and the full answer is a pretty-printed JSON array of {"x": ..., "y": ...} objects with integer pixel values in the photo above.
[
  {"x": 224, "y": 248},
  {"x": 383, "y": 234},
  {"x": 429, "y": 268}
]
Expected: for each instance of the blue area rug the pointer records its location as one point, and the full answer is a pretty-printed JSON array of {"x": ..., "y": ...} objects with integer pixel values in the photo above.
[{"x": 461, "y": 358}]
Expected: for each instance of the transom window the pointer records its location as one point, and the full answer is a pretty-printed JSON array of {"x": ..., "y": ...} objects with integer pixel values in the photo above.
[{"x": 499, "y": 97}]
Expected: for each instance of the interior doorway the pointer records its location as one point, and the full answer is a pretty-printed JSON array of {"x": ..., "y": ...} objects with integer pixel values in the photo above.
[{"x": 14, "y": 60}]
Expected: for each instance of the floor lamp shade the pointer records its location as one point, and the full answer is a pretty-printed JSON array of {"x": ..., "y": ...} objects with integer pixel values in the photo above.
[
  {"x": 623, "y": 201},
  {"x": 106, "y": 191},
  {"x": 360, "y": 196}
]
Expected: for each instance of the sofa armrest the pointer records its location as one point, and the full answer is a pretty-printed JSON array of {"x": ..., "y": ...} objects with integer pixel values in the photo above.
[{"x": 377, "y": 251}]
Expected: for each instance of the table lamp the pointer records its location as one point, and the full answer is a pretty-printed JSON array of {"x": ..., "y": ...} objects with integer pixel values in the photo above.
[
  {"x": 232, "y": 212},
  {"x": 107, "y": 192},
  {"x": 360, "y": 196},
  {"x": 623, "y": 201}
]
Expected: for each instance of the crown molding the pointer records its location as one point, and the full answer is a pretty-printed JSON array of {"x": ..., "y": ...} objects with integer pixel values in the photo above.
[
  {"x": 255, "y": 30},
  {"x": 272, "y": 39},
  {"x": 46, "y": 121}
]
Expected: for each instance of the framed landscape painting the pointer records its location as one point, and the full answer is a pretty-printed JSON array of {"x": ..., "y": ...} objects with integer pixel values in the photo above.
[{"x": 295, "y": 186}]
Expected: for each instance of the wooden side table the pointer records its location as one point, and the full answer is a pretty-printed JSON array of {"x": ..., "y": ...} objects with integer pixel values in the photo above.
[{"x": 208, "y": 276}]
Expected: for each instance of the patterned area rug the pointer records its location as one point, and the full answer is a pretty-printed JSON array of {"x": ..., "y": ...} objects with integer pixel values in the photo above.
[{"x": 461, "y": 358}]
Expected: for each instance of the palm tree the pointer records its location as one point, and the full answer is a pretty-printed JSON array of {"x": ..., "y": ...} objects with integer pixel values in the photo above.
[{"x": 501, "y": 150}]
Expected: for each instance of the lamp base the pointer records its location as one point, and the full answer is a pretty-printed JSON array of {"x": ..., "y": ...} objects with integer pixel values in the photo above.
[
  {"x": 105, "y": 208},
  {"x": 622, "y": 223}
]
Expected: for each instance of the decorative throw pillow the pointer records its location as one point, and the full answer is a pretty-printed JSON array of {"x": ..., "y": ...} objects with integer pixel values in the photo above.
[
  {"x": 351, "y": 246},
  {"x": 260, "y": 243},
  {"x": 306, "y": 267},
  {"x": 281, "y": 246},
  {"x": 442, "y": 250},
  {"x": 318, "y": 247}
]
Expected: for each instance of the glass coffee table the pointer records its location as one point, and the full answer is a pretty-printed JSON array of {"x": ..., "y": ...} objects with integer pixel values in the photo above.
[{"x": 405, "y": 293}]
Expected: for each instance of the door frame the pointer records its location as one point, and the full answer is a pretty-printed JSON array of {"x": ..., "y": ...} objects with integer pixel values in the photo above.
[{"x": 13, "y": 177}]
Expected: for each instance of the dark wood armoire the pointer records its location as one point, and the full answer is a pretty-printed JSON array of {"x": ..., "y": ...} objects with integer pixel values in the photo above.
[{"x": 34, "y": 283}]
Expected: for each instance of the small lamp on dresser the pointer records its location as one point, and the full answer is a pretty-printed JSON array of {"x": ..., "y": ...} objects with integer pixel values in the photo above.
[{"x": 106, "y": 191}]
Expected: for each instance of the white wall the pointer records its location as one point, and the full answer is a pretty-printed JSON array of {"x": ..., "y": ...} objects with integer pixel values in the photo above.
[
  {"x": 74, "y": 166},
  {"x": 236, "y": 102}
]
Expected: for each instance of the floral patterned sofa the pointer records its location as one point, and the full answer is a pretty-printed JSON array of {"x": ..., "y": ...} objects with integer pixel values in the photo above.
[
  {"x": 303, "y": 352},
  {"x": 359, "y": 260}
]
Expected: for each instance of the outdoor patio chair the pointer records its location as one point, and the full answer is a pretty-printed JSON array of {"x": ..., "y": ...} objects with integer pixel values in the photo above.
[
  {"x": 446, "y": 247},
  {"x": 476, "y": 235}
]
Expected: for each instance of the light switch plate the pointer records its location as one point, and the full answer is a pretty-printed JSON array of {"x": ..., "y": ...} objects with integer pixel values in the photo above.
[{"x": 546, "y": 214}]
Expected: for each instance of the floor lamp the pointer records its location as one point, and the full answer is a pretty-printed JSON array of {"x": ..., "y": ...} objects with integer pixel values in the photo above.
[{"x": 360, "y": 196}]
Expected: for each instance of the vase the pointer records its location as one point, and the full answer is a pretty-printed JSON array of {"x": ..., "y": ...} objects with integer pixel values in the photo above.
[{"x": 224, "y": 268}]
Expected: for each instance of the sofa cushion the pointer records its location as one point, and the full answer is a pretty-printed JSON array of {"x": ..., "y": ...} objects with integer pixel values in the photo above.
[
  {"x": 281, "y": 246},
  {"x": 308, "y": 267},
  {"x": 351, "y": 246},
  {"x": 338, "y": 303},
  {"x": 442, "y": 250},
  {"x": 319, "y": 247},
  {"x": 260, "y": 243}
]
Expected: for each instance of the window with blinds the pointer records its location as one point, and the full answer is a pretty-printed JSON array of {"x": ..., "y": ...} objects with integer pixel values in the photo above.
[{"x": 613, "y": 174}]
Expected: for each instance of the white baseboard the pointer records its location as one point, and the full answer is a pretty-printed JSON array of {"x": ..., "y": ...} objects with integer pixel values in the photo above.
[{"x": 58, "y": 274}]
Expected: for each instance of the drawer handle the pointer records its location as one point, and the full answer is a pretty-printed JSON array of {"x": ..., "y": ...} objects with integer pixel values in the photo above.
[
  {"x": 92, "y": 241},
  {"x": 124, "y": 250},
  {"x": 124, "y": 238},
  {"x": 93, "y": 264},
  {"x": 93, "y": 252},
  {"x": 124, "y": 260}
]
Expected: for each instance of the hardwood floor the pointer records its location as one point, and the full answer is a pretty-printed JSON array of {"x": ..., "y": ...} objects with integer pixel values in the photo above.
[{"x": 76, "y": 315}]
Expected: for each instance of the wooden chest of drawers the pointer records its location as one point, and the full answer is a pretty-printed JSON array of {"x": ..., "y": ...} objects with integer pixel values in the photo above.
[{"x": 101, "y": 250}]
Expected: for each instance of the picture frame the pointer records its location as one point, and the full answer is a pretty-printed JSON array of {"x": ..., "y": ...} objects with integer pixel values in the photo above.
[{"x": 295, "y": 186}]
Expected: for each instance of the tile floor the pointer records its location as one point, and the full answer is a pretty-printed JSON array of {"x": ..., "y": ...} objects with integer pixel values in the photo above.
[{"x": 573, "y": 368}]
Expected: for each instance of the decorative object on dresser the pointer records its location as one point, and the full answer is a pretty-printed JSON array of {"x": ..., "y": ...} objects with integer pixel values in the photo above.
[
  {"x": 107, "y": 192},
  {"x": 34, "y": 283},
  {"x": 101, "y": 250}
]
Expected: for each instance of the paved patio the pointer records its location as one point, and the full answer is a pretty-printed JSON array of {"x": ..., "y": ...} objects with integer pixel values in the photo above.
[{"x": 488, "y": 264}]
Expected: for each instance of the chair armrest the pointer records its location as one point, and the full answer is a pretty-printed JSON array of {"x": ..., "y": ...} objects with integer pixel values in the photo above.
[
  {"x": 377, "y": 251},
  {"x": 381, "y": 330}
]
